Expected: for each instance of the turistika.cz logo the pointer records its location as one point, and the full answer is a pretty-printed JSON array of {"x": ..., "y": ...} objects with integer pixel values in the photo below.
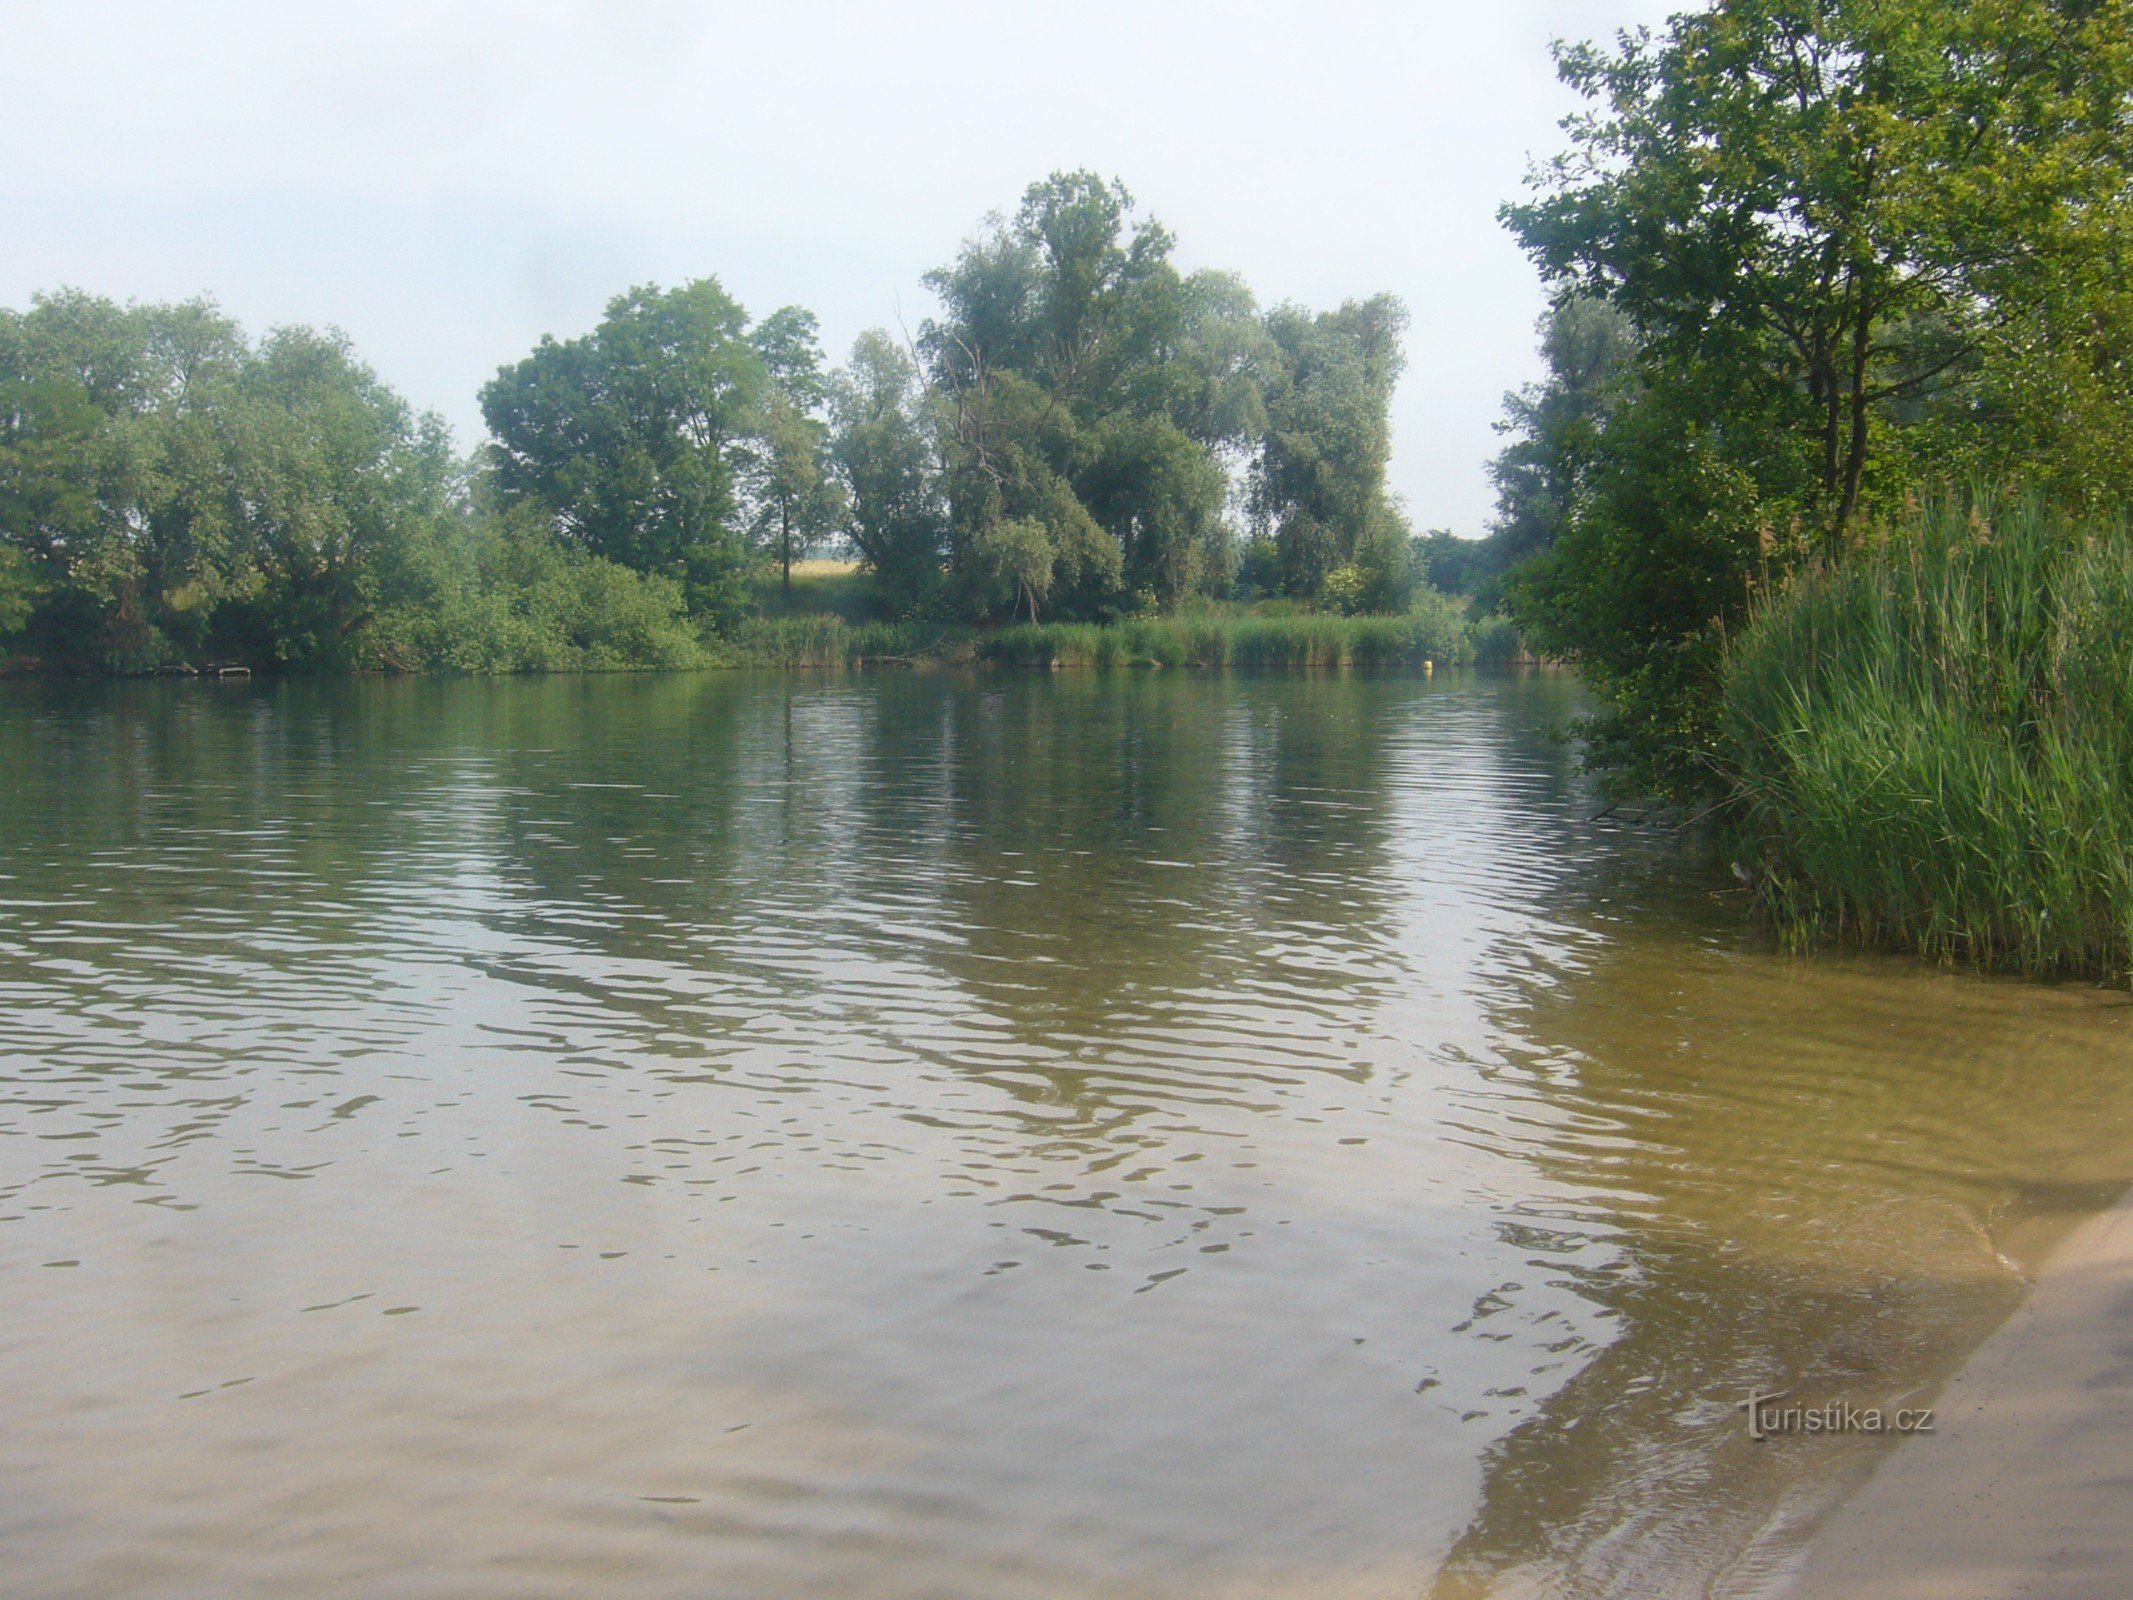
[{"x": 1767, "y": 1418}]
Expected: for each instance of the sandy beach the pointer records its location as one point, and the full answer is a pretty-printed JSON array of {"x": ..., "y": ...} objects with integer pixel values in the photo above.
[{"x": 2025, "y": 1487}]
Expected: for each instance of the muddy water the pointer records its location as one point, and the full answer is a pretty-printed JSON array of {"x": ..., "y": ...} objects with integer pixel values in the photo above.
[{"x": 1131, "y": 1135}]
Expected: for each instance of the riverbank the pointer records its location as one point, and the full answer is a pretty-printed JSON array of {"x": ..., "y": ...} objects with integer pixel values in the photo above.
[
  {"x": 1436, "y": 632},
  {"x": 1436, "y": 635},
  {"x": 2021, "y": 1489}
]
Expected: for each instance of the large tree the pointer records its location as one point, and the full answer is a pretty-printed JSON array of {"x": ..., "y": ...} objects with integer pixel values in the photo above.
[
  {"x": 1830, "y": 223},
  {"x": 171, "y": 492},
  {"x": 797, "y": 499},
  {"x": 1320, "y": 479},
  {"x": 1087, "y": 398},
  {"x": 881, "y": 445},
  {"x": 636, "y": 435}
]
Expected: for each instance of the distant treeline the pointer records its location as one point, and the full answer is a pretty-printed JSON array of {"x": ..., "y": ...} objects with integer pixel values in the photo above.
[{"x": 1083, "y": 433}]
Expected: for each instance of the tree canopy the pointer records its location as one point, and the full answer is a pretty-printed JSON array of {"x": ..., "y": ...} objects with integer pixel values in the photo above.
[
  {"x": 1859, "y": 245},
  {"x": 1081, "y": 431}
]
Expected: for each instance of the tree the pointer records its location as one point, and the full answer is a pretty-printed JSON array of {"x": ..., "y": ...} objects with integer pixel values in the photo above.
[
  {"x": 1319, "y": 483},
  {"x": 797, "y": 499},
  {"x": 337, "y": 477},
  {"x": 1017, "y": 556},
  {"x": 881, "y": 449},
  {"x": 634, "y": 436},
  {"x": 1590, "y": 349},
  {"x": 170, "y": 492},
  {"x": 1083, "y": 385},
  {"x": 1828, "y": 222}
]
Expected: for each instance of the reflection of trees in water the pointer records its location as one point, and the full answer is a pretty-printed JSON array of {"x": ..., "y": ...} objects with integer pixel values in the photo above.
[
  {"x": 1195, "y": 864},
  {"x": 785, "y": 873},
  {"x": 1797, "y": 1170},
  {"x": 964, "y": 869},
  {"x": 1764, "y": 1172}
]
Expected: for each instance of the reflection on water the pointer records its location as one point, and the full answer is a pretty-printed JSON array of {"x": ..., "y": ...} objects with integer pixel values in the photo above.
[{"x": 1122, "y": 1135}]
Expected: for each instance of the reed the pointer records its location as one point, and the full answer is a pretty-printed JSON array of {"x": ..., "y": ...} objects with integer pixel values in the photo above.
[
  {"x": 1435, "y": 631},
  {"x": 1216, "y": 640},
  {"x": 827, "y": 640},
  {"x": 1931, "y": 746}
]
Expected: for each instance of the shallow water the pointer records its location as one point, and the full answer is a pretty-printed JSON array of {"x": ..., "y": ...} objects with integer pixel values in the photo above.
[{"x": 1055, "y": 1135}]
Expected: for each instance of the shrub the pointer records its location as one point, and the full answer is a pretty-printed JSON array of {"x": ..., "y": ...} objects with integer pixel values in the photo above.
[
  {"x": 511, "y": 597},
  {"x": 1496, "y": 640}
]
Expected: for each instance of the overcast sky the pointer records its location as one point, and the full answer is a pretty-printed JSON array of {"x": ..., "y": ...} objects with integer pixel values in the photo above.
[{"x": 448, "y": 180}]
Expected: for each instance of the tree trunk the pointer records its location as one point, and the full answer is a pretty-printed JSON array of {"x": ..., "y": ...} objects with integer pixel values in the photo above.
[{"x": 1855, "y": 454}]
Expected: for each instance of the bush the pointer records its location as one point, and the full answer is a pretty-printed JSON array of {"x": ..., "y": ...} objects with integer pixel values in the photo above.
[
  {"x": 1348, "y": 589},
  {"x": 1496, "y": 641},
  {"x": 511, "y": 597},
  {"x": 1932, "y": 746}
]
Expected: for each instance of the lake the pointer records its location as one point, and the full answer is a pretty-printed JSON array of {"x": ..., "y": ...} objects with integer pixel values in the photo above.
[{"x": 1051, "y": 1135}]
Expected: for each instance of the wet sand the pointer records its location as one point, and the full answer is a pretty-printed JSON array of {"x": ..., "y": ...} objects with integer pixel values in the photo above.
[{"x": 2026, "y": 1486}]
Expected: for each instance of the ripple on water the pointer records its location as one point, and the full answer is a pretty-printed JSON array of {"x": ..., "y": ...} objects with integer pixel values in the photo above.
[{"x": 1123, "y": 1135}]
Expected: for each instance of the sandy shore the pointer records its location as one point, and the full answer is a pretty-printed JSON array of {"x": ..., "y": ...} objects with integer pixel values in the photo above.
[{"x": 2026, "y": 1485}]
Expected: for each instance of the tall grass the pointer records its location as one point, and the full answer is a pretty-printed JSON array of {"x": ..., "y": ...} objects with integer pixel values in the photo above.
[
  {"x": 840, "y": 588},
  {"x": 827, "y": 640},
  {"x": 1206, "y": 639},
  {"x": 1214, "y": 640},
  {"x": 1932, "y": 746}
]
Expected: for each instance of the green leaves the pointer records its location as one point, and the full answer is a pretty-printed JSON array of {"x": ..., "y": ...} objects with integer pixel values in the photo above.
[
  {"x": 635, "y": 435},
  {"x": 1319, "y": 481},
  {"x": 180, "y": 494},
  {"x": 1861, "y": 246}
]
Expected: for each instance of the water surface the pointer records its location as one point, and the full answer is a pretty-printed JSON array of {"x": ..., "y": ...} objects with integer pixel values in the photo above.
[{"x": 1070, "y": 1135}]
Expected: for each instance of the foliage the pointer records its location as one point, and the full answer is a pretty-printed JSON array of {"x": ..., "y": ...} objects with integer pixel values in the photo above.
[
  {"x": 1434, "y": 632},
  {"x": 1496, "y": 641},
  {"x": 797, "y": 501},
  {"x": 171, "y": 492},
  {"x": 634, "y": 437},
  {"x": 1646, "y": 617},
  {"x": 1932, "y": 743},
  {"x": 1319, "y": 483},
  {"x": 1858, "y": 243},
  {"x": 1553, "y": 427},
  {"x": 1083, "y": 431},
  {"x": 507, "y": 594},
  {"x": 883, "y": 453},
  {"x": 1087, "y": 397},
  {"x": 1059, "y": 429}
]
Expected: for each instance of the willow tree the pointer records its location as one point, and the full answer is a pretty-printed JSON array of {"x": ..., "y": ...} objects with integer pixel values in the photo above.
[
  {"x": 1088, "y": 396},
  {"x": 1319, "y": 482}
]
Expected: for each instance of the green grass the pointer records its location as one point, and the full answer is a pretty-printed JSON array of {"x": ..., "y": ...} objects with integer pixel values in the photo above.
[
  {"x": 1931, "y": 747},
  {"x": 1216, "y": 640},
  {"x": 1435, "y": 633},
  {"x": 838, "y": 588},
  {"x": 826, "y": 640}
]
